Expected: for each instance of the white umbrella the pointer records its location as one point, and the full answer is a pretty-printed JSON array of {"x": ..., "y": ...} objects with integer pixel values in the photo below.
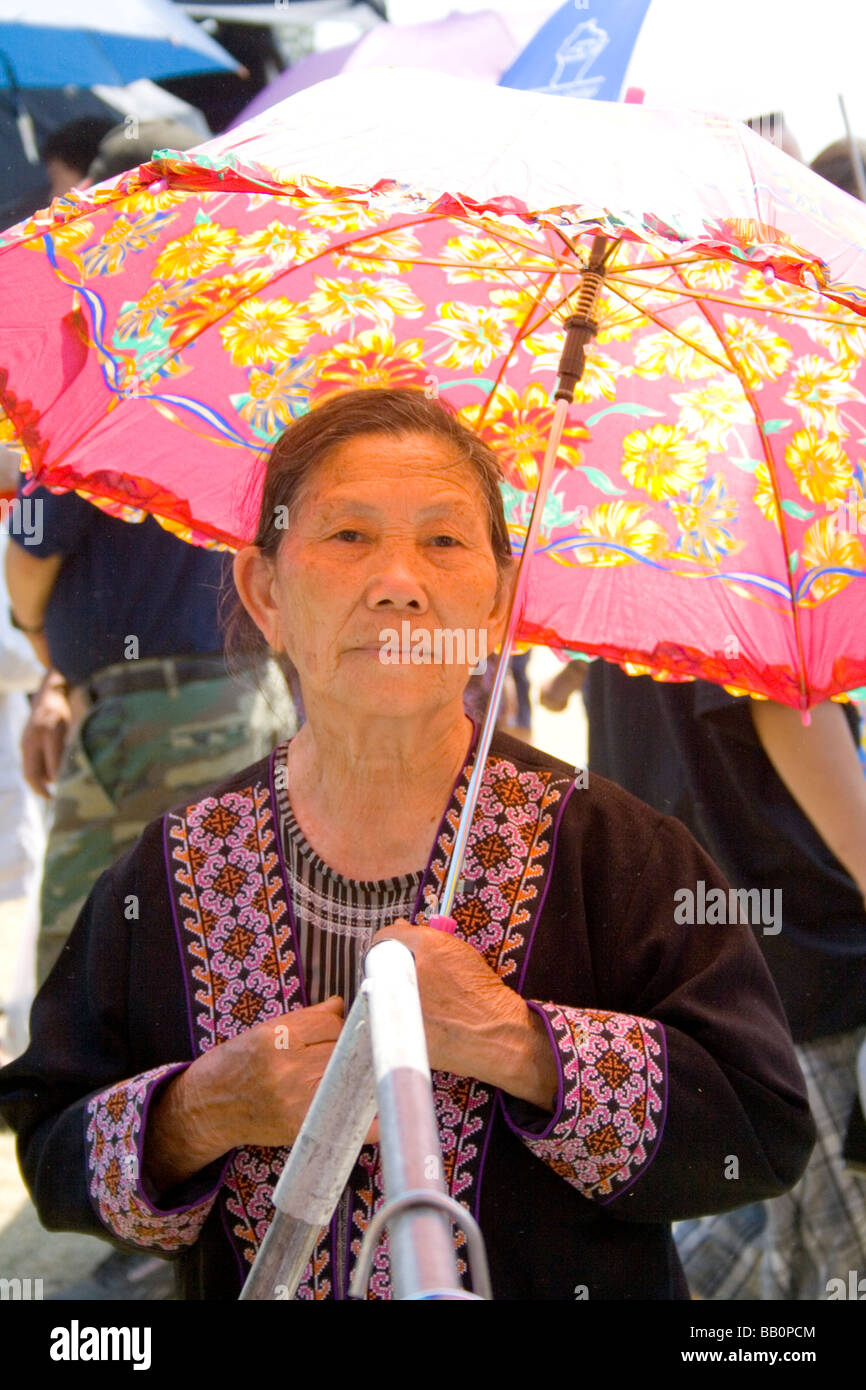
[
  {"x": 740, "y": 60},
  {"x": 149, "y": 102}
]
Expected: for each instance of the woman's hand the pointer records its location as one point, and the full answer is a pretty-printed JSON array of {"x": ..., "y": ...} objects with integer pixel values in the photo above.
[
  {"x": 475, "y": 1025},
  {"x": 255, "y": 1089}
]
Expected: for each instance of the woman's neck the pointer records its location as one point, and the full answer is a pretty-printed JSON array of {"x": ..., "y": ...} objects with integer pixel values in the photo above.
[{"x": 369, "y": 799}]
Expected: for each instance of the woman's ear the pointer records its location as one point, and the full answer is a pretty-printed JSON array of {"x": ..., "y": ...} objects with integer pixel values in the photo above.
[{"x": 254, "y": 581}]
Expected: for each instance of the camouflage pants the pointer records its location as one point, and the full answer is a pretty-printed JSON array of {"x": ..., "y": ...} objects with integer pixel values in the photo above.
[{"x": 129, "y": 759}]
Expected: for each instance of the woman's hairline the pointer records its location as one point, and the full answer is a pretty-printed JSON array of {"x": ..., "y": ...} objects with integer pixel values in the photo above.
[{"x": 459, "y": 456}]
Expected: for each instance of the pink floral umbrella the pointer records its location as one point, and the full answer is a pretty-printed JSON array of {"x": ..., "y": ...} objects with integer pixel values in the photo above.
[{"x": 703, "y": 517}]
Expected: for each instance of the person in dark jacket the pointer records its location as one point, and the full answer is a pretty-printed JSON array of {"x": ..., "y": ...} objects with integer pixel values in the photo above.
[
  {"x": 597, "y": 1063},
  {"x": 782, "y": 810}
]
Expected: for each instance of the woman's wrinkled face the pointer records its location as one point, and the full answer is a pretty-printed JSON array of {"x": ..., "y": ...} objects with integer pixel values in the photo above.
[{"x": 388, "y": 546}]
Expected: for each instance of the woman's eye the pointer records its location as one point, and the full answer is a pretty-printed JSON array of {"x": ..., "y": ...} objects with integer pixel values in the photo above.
[
  {"x": 445, "y": 541},
  {"x": 347, "y": 534}
]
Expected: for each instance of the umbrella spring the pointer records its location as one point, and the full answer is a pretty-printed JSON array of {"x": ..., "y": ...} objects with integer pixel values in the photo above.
[
  {"x": 591, "y": 282},
  {"x": 580, "y": 326}
]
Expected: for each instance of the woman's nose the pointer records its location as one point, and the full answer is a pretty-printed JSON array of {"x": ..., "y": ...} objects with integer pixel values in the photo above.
[{"x": 396, "y": 585}]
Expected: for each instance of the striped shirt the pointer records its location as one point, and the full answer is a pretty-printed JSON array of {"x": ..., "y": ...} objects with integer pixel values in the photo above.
[{"x": 336, "y": 918}]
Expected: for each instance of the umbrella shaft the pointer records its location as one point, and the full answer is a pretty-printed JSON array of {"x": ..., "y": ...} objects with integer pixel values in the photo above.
[{"x": 515, "y": 613}]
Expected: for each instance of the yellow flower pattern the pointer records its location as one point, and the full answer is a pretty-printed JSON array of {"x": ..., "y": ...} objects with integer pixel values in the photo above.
[
  {"x": 820, "y": 465},
  {"x": 392, "y": 253},
  {"x": 282, "y": 245},
  {"x": 205, "y": 246},
  {"x": 372, "y": 359},
  {"x": 758, "y": 353},
  {"x": 337, "y": 302},
  {"x": 712, "y": 411},
  {"x": 826, "y": 544},
  {"x": 265, "y": 331},
  {"x": 124, "y": 235},
  {"x": 719, "y": 408},
  {"x": 705, "y": 521},
  {"x": 817, "y": 389},
  {"x": 477, "y": 334},
  {"x": 663, "y": 460},
  {"x": 468, "y": 255},
  {"x": 600, "y": 373},
  {"x": 688, "y": 356},
  {"x": 764, "y": 496},
  {"x": 68, "y": 241},
  {"x": 338, "y": 216},
  {"x": 517, "y": 428},
  {"x": 709, "y": 275},
  {"x": 846, "y": 342},
  {"x": 620, "y": 527}
]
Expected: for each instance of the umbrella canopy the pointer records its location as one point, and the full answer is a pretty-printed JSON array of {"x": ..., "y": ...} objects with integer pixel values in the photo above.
[
  {"x": 97, "y": 41},
  {"x": 467, "y": 45},
  {"x": 159, "y": 331},
  {"x": 740, "y": 61}
]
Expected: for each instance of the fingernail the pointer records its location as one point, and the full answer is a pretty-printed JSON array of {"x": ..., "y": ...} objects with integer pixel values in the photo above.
[{"x": 446, "y": 924}]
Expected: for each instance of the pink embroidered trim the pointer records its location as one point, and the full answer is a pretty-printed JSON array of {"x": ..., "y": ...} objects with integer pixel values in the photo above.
[
  {"x": 231, "y": 906},
  {"x": 113, "y": 1136},
  {"x": 233, "y": 915},
  {"x": 509, "y": 852},
  {"x": 367, "y": 1199},
  {"x": 613, "y": 1090},
  {"x": 232, "y": 910}
]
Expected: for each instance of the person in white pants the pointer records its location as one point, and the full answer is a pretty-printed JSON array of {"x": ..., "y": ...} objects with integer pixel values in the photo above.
[{"x": 22, "y": 835}]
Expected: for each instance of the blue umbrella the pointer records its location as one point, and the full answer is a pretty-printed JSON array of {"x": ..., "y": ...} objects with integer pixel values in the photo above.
[
  {"x": 580, "y": 51},
  {"x": 50, "y": 43}
]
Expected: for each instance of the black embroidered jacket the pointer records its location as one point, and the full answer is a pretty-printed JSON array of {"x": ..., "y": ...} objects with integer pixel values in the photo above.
[{"x": 679, "y": 1090}]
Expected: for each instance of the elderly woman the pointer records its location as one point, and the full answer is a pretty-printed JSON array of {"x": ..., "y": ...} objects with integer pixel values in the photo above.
[{"x": 600, "y": 1068}]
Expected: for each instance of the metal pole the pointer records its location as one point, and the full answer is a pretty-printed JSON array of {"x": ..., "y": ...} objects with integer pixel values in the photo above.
[
  {"x": 515, "y": 614},
  {"x": 380, "y": 1062},
  {"x": 320, "y": 1163},
  {"x": 579, "y": 330},
  {"x": 854, "y": 152},
  {"x": 423, "y": 1260}
]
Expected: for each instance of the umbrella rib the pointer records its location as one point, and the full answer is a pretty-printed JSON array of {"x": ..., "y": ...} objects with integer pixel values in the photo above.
[
  {"x": 480, "y": 225},
  {"x": 569, "y": 241},
  {"x": 332, "y": 250},
  {"x": 367, "y": 235},
  {"x": 674, "y": 261},
  {"x": 660, "y": 323},
  {"x": 699, "y": 297},
  {"x": 518, "y": 338},
  {"x": 560, "y": 264},
  {"x": 552, "y": 309},
  {"x": 267, "y": 284},
  {"x": 771, "y": 471},
  {"x": 609, "y": 260},
  {"x": 459, "y": 265}
]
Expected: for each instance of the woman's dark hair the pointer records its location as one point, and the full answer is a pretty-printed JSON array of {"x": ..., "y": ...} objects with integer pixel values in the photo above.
[{"x": 308, "y": 441}]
